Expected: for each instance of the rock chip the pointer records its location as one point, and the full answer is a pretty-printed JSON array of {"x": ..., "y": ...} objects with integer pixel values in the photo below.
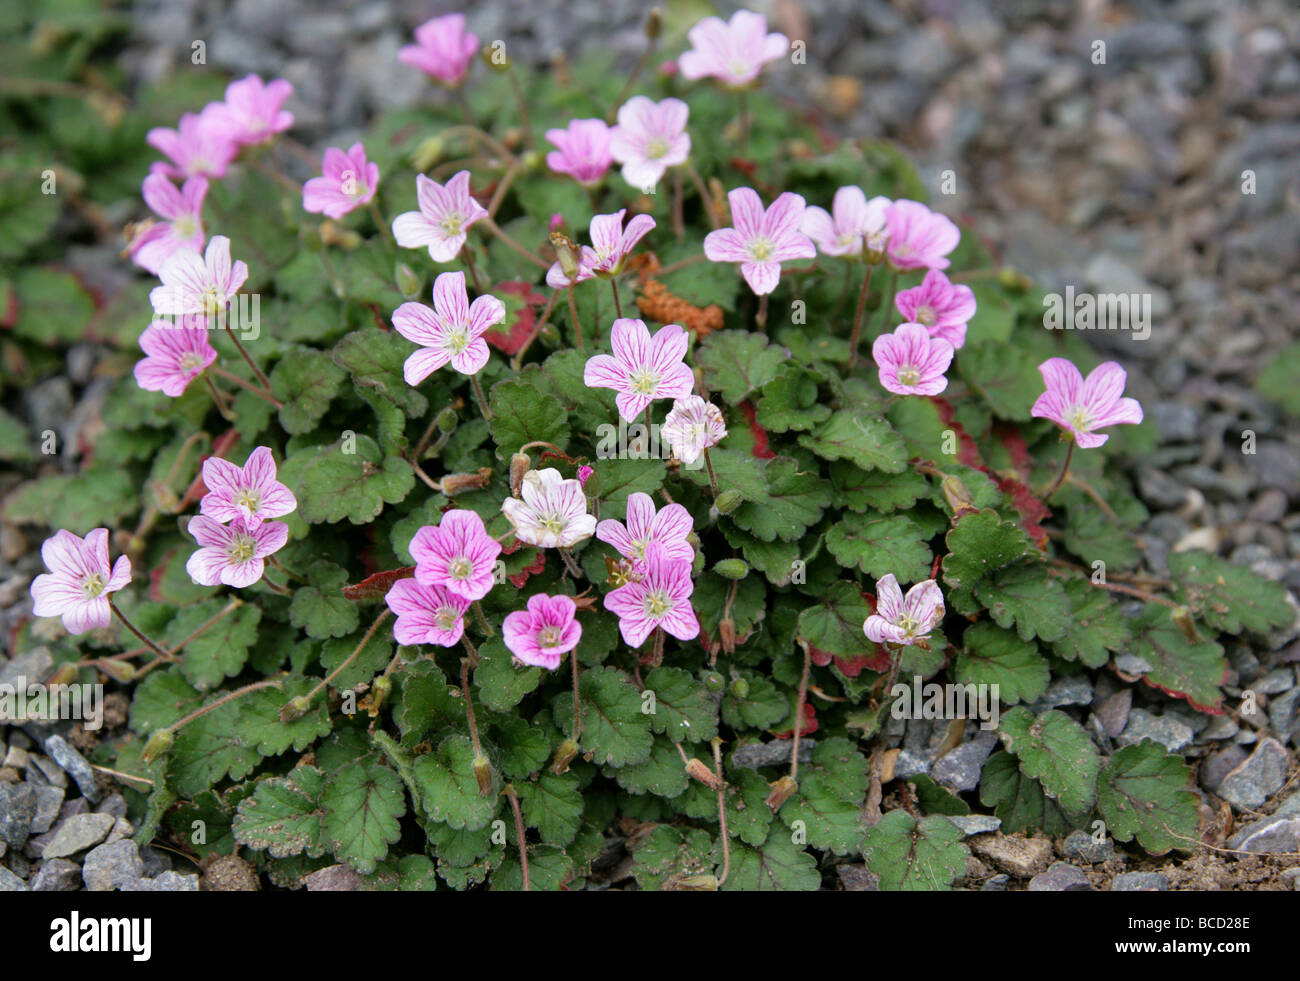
[
  {"x": 1258, "y": 778},
  {"x": 1015, "y": 854},
  {"x": 77, "y": 833},
  {"x": 1060, "y": 877},
  {"x": 1139, "y": 882},
  {"x": 109, "y": 865},
  {"x": 1081, "y": 846},
  {"x": 57, "y": 875}
]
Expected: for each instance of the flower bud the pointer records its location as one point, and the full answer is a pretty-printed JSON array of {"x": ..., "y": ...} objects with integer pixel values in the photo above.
[
  {"x": 564, "y": 756},
  {"x": 727, "y": 635},
  {"x": 495, "y": 57},
  {"x": 957, "y": 495},
  {"x": 701, "y": 772},
  {"x": 119, "y": 671},
  {"x": 1185, "y": 623},
  {"x": 427, "y": 154},
  {"x": 458, "y": 483},
  {"x": 164, "y": 498},
  {"x": 740, "y": 688},
  {"x": 295, "y": 709},
  {"x": 728, "y": 501},
  {"x": 781, "y": 791},
  {"x": 731, "y": 568},
  {"x": 483, "y": 774},
  {"x": 447, "y": 420},
  {"x": 701, "y": 882},
  {"x": 379, "y": 692},
  {"x": 520, "y": 463},
  {"x": 714, "y": 682},
  {"x": 157, "y": 744},
  {"x": 65, "y": 674},
  {"x": 566, "y": 251},
  {"x": 654, "y": 24},
  {"x": 408, "y": 283}
]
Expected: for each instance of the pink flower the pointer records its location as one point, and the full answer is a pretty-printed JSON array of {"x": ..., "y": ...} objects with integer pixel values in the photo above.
[
  {"x": 543, "y": 634},
  {"x": 250, "y": 492},
  {"x": 609, "y": 249},
  {"x": 349, "y": 181},
  {"x": 650, "y": 137},
  {"x": 1084, "y": 406},
  {"x": 911, "y": 362},
  {"x": 79, "y": 582},
  {"x": 252, "y": 111},
  {"x": 733, "y": 53},
  {"x": 668, "y": 529},
  {"x": 660, "y": 597},
  {"x": 552, "y": 512},
  {"x": 444, "y": 216},
  {"x": 941, "y": 307},
  {"x": 426, "y": 614},
  {"x": 692, "y": 427},
  {"x": 198, "y": 147},
  {"x": 443, "y": 50},
  {"x": 451, "y": 332},
  {"x": 182, "y": 227},
  {"x": 904, "y": 621},
  {"x": 457, "y": 555},
  {"x": 643, "y": 368},
  {"x": 856, "y": 222},
  {"x": 194, "y": 284},
  {"x": 918, "y": 237},
  {"x": 233, "y": 554},
  {"x": 584, "y": 474},
  {"x": 175, "y": 356},
  {"x": 582, "y": 150},
  {"x": 761, "y": 240}
]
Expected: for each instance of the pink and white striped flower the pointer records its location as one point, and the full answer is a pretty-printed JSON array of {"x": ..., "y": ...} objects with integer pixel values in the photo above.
[
  {"x": 582, "y": 150},
  {"x": 198, "y": 147},
  {"x": 918, "y": 237},
  {"x": 443, "y": 49},
  {"x": 174, "y": 356},
  {"x": 449, "y": 333},
  {"x": 198, "y": 284},
  {"x": 642, "y": 368},
  {"x": 761, "y": 240},
  {"x": 233, "y": 554},
  {"x": 854, "y": 223},
  {"x": 250, "y": 492},
  {"x": 348, "y": 181},
  {"x": 941, "y": 307},
  {"x": 659, "y": 597},
  {"x": 252, "y": 112},
  {"x": 446, "y": 213},
  {"x": 1082, "y": 406},
  {"x": 545, "y": 632},
  {"x": 182, "y": 224},
  {"x": 668, "y": 528},
  {"x": 426, "y": 614},
  {"x": 904, "y": 621},
  {"x": 733, "y": 52},
  {"x": 551, "y": 511},
  {"x": 911, "y": 362},
  {"x": 650, "y": 137},
  {"x": 457, "y": 554},
  {"x": 611, "y": 244},
  {"x": 692, "y": 427},
  {"x": 80, "y": 581}
]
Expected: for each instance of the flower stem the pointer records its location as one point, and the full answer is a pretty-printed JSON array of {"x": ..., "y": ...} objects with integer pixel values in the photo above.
[
  {"x": 482, "y": 620},
  {"x": 713, "y": 479},
  {"x": 264, "y": 395},
  {"x": 1060, "y": 477},
  {"x": 706, "y": 199},
  {"x": 679, "y": 223},
  {"x": 481, "y": 398},
  {"x": 518, "y": 359},
  {"x": 266, "y": 382},
  {"x": 657, "y": 648},
  {"x": 722, "y": 811},
  {"x": 469, "y": 710},
  {"x": 384, "y": 229},
  {"x": 332, "y": 275},
  {"x": 856, "y": 335},
  {"x": 618, "y": 306},
  {"x": 351, "y": 657},
  {"x": 225, "y": 699},
  {"x": 519, "y": 832},
  {"x": 577, "y": 714},
  {"x": 219, "y": 399},
  {"x": 524, "y": 120},
  {"x": 798, "y": 713},
  {"x": 573, "y": 315},
  {"x": 760, "y": 318},
  {"x": 472, "y": 264},
  {"x": 888, "y": 302},
  {"x": 570, "y": 563},
  {"x": 744, "y": 123},
  {"x": 160, "y": 651},
  {"x": 532, "y": 257}
]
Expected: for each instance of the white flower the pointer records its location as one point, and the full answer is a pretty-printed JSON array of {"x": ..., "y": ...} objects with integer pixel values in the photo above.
[
  {"x": 552, "y": 512},
  {"x": 692, "y": 427}
]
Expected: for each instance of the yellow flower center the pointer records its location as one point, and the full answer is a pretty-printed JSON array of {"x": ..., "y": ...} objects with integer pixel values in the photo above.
[
  {"x": 548, "y": 636},
  {"x": 248, "y": 498},
  {"x": 644, "y": 382},
  {"x": 656, "y": 149},
  {"x": 1079, "y": 419},
  {"x": 452, "y": 224},
  {"x": 190, "y": 362},
  {"x": 760, "y": 249},
  {"x": 457, "y": 339},
  {"x": 446, "y": 617},
  {"x": 925, "y": 315},
  {"x": 552, "y": 523},
  {"x": 459, "y": 568},
  {"x": 241, "y": 548},
  {"x": 657, "y": 604},
  {"x": 93, "y": 585},
  {"x": 908, "y": 375},
  {"x": 185, "y": 226}
]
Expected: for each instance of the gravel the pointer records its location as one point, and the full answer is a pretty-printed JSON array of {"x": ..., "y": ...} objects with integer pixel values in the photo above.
[
  {"x": 77, "y": 833},
  {"x": 1252, "y": 782}
]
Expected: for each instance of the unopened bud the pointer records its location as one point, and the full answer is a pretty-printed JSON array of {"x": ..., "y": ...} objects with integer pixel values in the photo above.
[
  {"x": 714, "y": 682},
  {"x": 566, "y": 251},
  {"x": 119, "y": 671},
  {"x": 458, "y": 483},
  {"x": 654, "y": 23},
  {"x": 1012, "y": 279},
  {"x": 740, "y": 688},
  {"x": 447, "y": 420},
  {"x": 727, "y": 634},
  {"x": 873, "y": 249},
  {"x": 157, "y": 744},
  {"x": 427, "y": 154},
  {"x": 164, "y": 498},
  {"x": 483, "y": 774},
  {"x": 1185, "y": 623},
  {"x": 408, "y": 283},
  {"x": 728, "y": 501},
  {"x": 700, "y": 882},
  {"x": 295, "y": 709},
  {"x": 731, "y": 568},
  {"x": 379, "y": 692},
  {"x": 495, "y": 57},
  {"x": 781, "y": 791},
  {"x": 335, "y": 234},
  {"x": 701, "y": 772},
  {"x": 564, "y": 756},
  {"x": 957, "y": 495},
  {"x": 520, "y": 463}
]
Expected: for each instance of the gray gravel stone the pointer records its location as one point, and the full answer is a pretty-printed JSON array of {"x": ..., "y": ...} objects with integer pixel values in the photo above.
[
  {"x": 1220, "y": 763},
  {"x": 10, "y": 882},
  {"x": 996, "y": 883},
  {"x": 17, "y": 812},
  {"x": 960, "y": 769},
  {"x": 1139, "y": 882},
  {"x": 857, "y": 878},
  {"x": 166, "y": 882},
  {"x": 49, "y": 800},
  {"x": 1163, "y": 729},
  {"x": 333, "y": 878},
  {"x": 774, "y": 753},
  {"x": 109, "y": 865},
  {"x": 975, "y": 824},
  {"x": 1060, "y": 877},
  {"x": 1081, "y": 846},
  {"x": 75, "y": 765},
  {"x": 1269, "y": 836},
  {"x": 1113, "y": 711},
  {"x": 1071, "y": 690},
  {"x": 77, "y": 833},
  {"x": 1258, "y": 778},
  {"x": 57, "y": 875}
]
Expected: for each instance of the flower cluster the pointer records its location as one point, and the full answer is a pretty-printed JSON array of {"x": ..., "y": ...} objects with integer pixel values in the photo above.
[{"x": 233, "y": 526}]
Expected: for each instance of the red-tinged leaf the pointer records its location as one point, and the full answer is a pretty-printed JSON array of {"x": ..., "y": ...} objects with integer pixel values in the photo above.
[
  {"x": 761, "y": 449},
  {"x": 220, "y": 447},
  {"x": 968, "y": 453},
  {"x": 851, "y": 667},
  {"x": 509, "y": 342},
  {"x": 376, "y": 587},
  {"x": 807, "y": 727},
  {"x": 521, "y": 577}
]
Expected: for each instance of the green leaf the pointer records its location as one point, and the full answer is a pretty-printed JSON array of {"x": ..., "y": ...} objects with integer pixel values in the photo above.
[
  {"x": 910, "y": 855},
  {"x": 777, "y": 866},
  {"x": 614, "y": 727},
  {"x": 283, "y": 816},
  {"x": 1018, "y": 800},
  {"x": 735, "y": 470},
  {"x": 794, "y": 501},
  {"x": 332, "y": 484},
  {"x": 683, "y": 708},
  {"x": 1096, "y": 626},
  {"x": 361, "y": 805},
  {"x": 1143, "y": 793},
  {"x": 865, "y": 440},
  {"x": 621, "y": 478},
  {"x": 203, "y": 752},
  {"x": 668, "y": 855},
  {"x": 427, "y": 700},
  {"x": 874, "y": 490},
  {"x": 553, "y": 805},
  {"x": 306, "y": 381},
  {"x": 737, "y": 362},
  {"x": 373, "y": 658},
  {"x": 502, "y": 684},
  {"x": 662, "y": 773},
  {"x": 1194, "y": 670},
  {"x": 829, "y": 799},
  {"x": 219, "y": 652},
  {"x": 260, "y": 727},
  {"x": 321, "y": 609},
  {"x": 994, "y": 656},
  {"x": 880, "y": 545},
  {"x": 521, "y": 414},
  {"x": 449, "y": 788},
  {"x": 375, "y": 358},
  {"x": 835, "y": 624},
  {"x": 161, "y": 699},
  {"x": 1005, "y": 376},
  {"x": 761, "y": 707},
  {"x": 1229, "y": 597},
  {"x": 791, "y": 401},
  {"x": 979, "y": 544},
  {"x": 1278, "y": 379},
  {"x": 1056, "y": 751},
  {"x": 1024, "y": 595}
]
